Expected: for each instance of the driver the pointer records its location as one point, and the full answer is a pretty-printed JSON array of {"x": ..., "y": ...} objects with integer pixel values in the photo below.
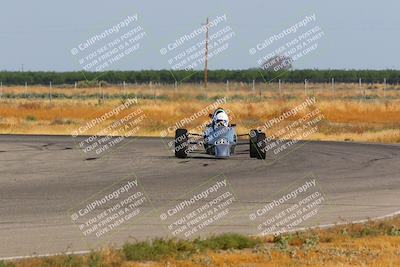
[{"x": 220, "y": 118}]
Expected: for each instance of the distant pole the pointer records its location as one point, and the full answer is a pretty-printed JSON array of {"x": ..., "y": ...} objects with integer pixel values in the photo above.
[
  {"x": 360, "y": 86},
  {"x": 227, "y": 85},
  {"x": 364, "y": 92},
  {"x": 333, "y": 86},
  {"x": 176, "y": 86},
  {"x": 124, "y": 87},
  {"x": 1, "y": 89},
  {"x": 279, "y": 87},
  {"x": 384, "y": 88},
  {"x": 100, "y": 90},
  {"x": 26, "y": 89},
  {"x": 50, "y": 86},
  {"x": 206, "y": 58},
  {"x": 254, "y": 86},
  {"x": 313, "y": 90}
]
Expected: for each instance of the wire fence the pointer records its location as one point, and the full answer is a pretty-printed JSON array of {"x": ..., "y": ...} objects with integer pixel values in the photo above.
[{"x": 238, "y": 90}]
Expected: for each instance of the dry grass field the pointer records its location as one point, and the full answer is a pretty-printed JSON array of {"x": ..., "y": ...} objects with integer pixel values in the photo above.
[
  {"x": 370, "y": 113},
  {"x": 375, "y": 243}
]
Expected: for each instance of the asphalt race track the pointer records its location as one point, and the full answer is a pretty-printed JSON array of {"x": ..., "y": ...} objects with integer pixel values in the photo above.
[{"x": 45, "y": 180}]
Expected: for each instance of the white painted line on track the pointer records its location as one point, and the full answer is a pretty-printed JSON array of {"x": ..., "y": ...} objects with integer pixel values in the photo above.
[
  {"x": 293, "y": 230},
  {"x": 337, "y": 224}
]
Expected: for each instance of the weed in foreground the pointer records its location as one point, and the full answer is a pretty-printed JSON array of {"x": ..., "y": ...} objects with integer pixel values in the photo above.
[{"x": 161, "y": 248}]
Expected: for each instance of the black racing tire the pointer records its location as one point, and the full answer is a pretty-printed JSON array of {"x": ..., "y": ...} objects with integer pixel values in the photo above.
[
  {"x": 181, "y": 143},
  {"x": 210, "y": 150},
  {"x": 261, "y": 145},
  {"x": 253, "y": 143},
  {"x": 233, "y": 148}
]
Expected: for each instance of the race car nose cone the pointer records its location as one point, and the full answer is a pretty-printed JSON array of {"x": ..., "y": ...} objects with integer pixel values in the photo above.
[{"x": 222, "y": 151}]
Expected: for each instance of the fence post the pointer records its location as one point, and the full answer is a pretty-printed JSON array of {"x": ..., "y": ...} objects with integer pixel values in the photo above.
[
  {"x": 333, "y": 87},
  {"x": 154, "y": 90},
  {"x": 279, "y": 87},
  {"x": 50, "y": 86},
  {"x": 1, "y": 89},
  {"x": 254, "y": 86},
  {"x": 123, "y": 88},
  {"x": 227, "y": 85},
  {"x": 176, "y": 86},
  {"x": 75, "y": 85},
  {"x": 102, "y": 92},
  {"x": 313, "y": 90},
  {"x": 384, "y": 88},
  {"x": 305, "y": 87},
  {"x": 26, "y": 89}
]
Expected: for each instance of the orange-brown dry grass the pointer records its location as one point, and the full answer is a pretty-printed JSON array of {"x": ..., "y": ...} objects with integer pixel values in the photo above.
[
  {"x": 370, "y": 251},
  {"x": 367, "y": 251},
  {"x": 347, "y": 116}
]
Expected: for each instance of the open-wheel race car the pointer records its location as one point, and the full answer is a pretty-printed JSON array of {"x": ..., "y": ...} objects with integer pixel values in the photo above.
[{"x": 219, "y": 139}]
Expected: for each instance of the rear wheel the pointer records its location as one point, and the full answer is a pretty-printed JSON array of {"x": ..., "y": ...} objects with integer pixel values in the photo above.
[
  {"x": 257, "y": 145},
  {"x": 233, "y": 149},
  {"x": 253, "y": 143},
  {"x": 261, "y": 145},
  {"x": 210, "y": 150},
  {"x": 181, "y": 143}
]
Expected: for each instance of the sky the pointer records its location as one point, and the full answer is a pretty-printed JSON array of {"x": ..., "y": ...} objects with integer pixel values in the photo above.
[{"x": 41, "y": 35}]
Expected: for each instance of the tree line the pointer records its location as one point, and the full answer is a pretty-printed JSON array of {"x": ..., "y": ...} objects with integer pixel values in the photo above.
[{"x": 167, "y": 76}]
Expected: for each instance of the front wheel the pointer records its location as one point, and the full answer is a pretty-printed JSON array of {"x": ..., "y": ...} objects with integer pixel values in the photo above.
[
  {"x": 181, "y": 143},
  {"x": 253, "y": 143},
  {"x": 257, "y": 145}
]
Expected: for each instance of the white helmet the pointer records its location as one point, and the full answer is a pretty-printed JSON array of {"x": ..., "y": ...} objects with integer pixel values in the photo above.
[{"x": 220, "y": 118}]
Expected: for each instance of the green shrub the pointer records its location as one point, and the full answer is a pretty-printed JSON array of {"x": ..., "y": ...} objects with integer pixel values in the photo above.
[
  {"x": 148, "y": 251},
  {"x": 227, "y": 241},
  {"x": 282, "y": 242},
  {"x": 160, "y": 248},
  {"x": 95, "y": 260},
  {"x": 6, "y": 264},
  {"x": 394, "y": 231},
  {"x": 368, "y": 231},
  {"x": 310, "y": 242},
  {"x": 31, "y": 118}
]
